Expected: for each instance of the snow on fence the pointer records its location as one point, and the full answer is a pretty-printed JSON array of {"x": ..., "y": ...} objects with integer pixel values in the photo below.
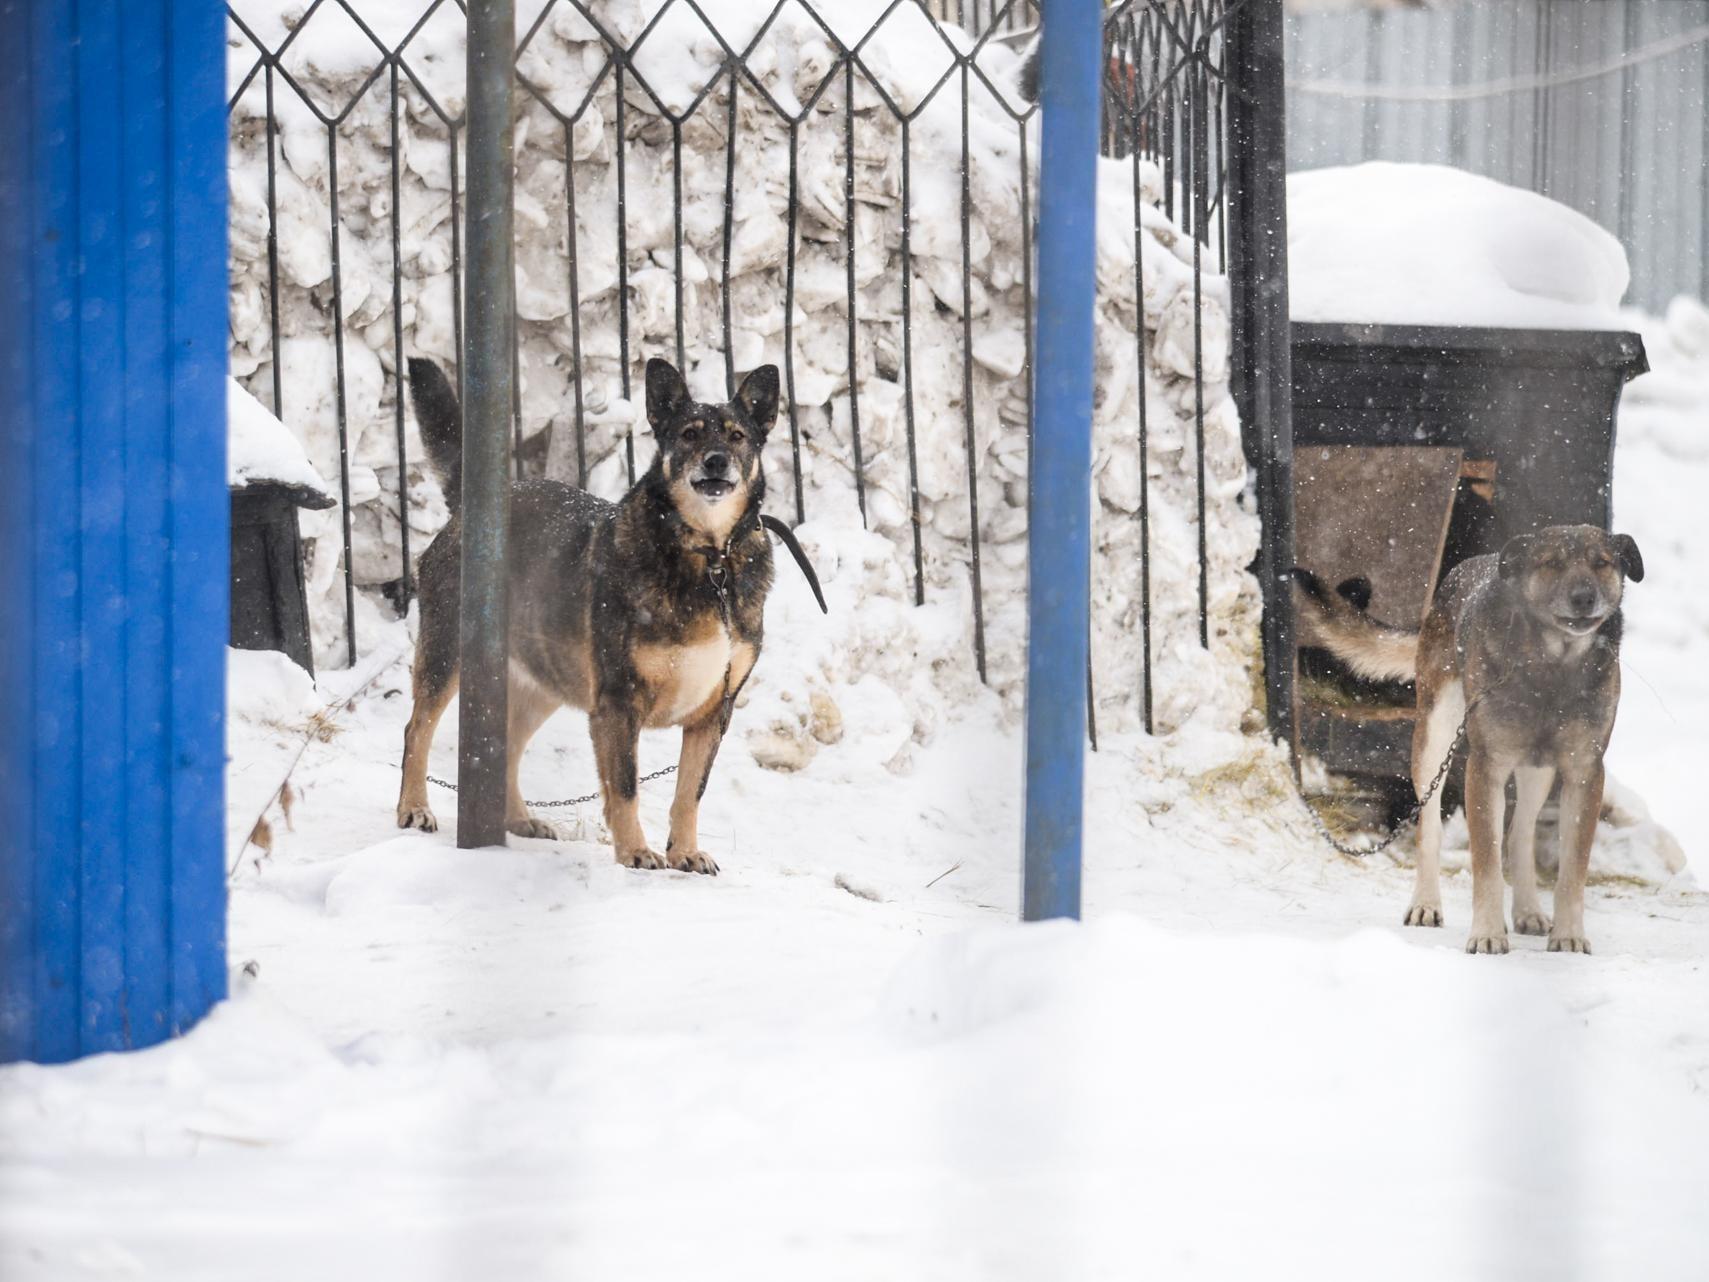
[{"x": 846, "y": 190}]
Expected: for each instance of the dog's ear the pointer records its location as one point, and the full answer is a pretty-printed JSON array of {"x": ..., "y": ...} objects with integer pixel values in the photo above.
[
  {"x": 1356, "y": 591},
  {"x": 667, "y": 394},
  {"x": 758, "y": 397},
  {"x": 1515, "y": 554},
  {"x": 1631, "y": 560}
]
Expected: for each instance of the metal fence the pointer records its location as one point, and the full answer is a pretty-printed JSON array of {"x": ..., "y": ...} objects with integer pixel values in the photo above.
[
  {"x": 1169, "y": 98},
  {"x": 1601, "y": 105},
  {"x": 983, "y": 16}
]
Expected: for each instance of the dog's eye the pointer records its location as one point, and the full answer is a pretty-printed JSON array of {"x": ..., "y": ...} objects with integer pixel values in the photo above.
[
  {"x": 737, "y": 437},
  {"x": 690, "y": 434}
]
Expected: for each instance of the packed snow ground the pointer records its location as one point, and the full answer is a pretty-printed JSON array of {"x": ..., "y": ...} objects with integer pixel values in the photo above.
[{"x": 840, "y": 1058}]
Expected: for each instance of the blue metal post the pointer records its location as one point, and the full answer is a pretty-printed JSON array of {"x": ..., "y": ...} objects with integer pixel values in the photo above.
[
  {"x": 114, "y": 516},
  {"x": 1059, "y": 538}
]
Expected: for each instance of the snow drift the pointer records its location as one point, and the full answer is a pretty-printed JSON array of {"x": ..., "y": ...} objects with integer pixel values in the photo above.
[{"x": 925, "y": 657}]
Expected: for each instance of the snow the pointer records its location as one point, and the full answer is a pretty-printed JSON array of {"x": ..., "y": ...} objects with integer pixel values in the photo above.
[
  {"x": 1428, "y": 245},
  {"x": 840, "y": 1058},
  {"x": 1661, "y": 474},
  {"x": 261, "y": 448}
]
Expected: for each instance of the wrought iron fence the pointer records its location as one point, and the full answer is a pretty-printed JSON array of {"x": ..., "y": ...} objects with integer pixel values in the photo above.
[
  {"x": 1170, "y": 89},
  {"x": 982, "y": 16}
]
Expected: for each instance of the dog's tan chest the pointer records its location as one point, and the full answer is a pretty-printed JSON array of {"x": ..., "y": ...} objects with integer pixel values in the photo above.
[{"x": 684, "y": 678}]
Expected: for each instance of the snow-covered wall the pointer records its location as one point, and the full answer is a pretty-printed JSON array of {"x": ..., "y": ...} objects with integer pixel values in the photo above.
[{"x": 566, "y": 132}]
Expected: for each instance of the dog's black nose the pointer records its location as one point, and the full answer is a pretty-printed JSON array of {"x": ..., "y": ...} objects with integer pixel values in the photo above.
[
  {"x": 716, "y": 464},
  {"x": 1582, "y": 599}
]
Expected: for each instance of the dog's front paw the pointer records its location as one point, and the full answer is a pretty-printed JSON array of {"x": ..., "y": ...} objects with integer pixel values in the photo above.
[
  {"x": 1532, "y": 921},
  {"x": 1494, "y": 942},
  {"x": 691, "y": 861},
  {"x": 1566, "y": 942},
  {"x": 417, "y": 817},
  {"x": 1424, "y": 915},
  {"x": 529, "y": 826},
  {"x": 640, "y": 857}
]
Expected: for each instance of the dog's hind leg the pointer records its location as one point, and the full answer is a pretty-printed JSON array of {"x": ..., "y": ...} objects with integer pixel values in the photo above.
[
  {"x": 1532, "y": 789},
  {"x": 1581, "y": 803},
  {"x": 530, "y": 705},
  {"x": 434, "y": 682},
  {"x": 1432, "y": 740},
  {"x": 616, "y": 730},
  {"x": 699, "y": 749}
]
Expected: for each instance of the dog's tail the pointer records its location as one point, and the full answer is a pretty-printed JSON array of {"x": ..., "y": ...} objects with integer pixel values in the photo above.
[
  {"x": 1337, "y": 622},
  {"x": 441, "y": 422}
]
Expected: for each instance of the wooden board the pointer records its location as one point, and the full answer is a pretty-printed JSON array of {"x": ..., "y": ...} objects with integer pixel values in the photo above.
[{"x": 1380, "y": 512}]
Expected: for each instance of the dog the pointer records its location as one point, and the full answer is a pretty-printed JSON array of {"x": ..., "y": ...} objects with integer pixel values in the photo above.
[
  {"x": 1523, "y": 647},
  {"x": 648, "y": 612}
]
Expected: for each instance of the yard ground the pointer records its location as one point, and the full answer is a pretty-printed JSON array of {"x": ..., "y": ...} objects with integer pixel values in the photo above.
[{"x": 534, "y": 1063}]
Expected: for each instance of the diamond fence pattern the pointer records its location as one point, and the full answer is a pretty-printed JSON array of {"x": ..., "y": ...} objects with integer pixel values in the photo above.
[{"x": 680, "y": 115}]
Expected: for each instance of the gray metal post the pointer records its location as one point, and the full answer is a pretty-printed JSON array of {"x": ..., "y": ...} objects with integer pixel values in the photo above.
[
  {"x": 1263, "y": 360},
  {"x": 483, "y": 705}
]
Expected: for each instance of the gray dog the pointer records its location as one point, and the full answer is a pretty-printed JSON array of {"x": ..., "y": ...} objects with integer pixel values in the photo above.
[{"x": 1524, "y": 648}]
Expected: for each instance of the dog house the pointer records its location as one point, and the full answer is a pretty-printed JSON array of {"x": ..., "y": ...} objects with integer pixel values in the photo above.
[
  {"x": 271, "y": 479},
  {"x": 1416, "y": 447},
  {"x": 269, "y": 605}
]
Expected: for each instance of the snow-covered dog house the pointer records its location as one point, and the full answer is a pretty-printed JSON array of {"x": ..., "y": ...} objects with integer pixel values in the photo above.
[
  {"x": 271, "y": 479},
  {"x": 1458, "y": 359}
]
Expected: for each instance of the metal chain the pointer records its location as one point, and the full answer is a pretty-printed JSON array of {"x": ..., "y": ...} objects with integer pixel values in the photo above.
[
  {"x": 1417, "y": 808},
  {"x": 568, "y": 801}
]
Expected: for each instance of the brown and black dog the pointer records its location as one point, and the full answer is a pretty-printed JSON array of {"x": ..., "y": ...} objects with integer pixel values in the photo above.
[
  {"x": 645, "y": 612},
  {"x": 1524, "y": 648}
]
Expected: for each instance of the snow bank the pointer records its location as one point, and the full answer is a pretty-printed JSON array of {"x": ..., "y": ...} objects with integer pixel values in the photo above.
[
  {"x": 265, "y": 689},
  {"x": 1661, "y": 473},
  {"x": 924, "y": 656},
  {"x": 1431, "y": 245},
  {"x": 261, "y": 448}
]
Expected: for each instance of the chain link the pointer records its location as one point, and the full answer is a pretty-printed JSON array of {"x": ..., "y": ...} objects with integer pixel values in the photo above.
[
  {"x": 568, "y": 801},
  {"x": 1417, "y": 808}
]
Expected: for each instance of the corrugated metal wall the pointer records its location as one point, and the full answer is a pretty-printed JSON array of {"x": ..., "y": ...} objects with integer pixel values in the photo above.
[
  {"x": 1600, "y": 104},
  {"x": 114, "y": 535}
]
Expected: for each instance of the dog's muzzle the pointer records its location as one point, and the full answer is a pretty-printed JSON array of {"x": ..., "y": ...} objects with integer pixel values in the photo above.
[
  {"x": 711, "y": 480},
  {"x": 1581, "y": 610}
]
